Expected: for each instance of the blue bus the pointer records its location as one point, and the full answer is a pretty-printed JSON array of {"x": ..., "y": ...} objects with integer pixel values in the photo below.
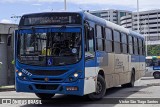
[{"x": 75, "y": 53}]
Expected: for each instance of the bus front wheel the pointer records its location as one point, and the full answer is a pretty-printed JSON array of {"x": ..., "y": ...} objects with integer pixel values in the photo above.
[
  {"x": 44, "y": 96},
  {"x": 100, "y": 89}
]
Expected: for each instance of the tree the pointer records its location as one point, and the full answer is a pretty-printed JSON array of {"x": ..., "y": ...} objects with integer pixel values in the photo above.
[{"x": 153, "y": 50}]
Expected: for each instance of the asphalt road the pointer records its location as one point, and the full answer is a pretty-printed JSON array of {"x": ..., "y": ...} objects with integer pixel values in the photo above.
[{"x": 146, "y": 90}]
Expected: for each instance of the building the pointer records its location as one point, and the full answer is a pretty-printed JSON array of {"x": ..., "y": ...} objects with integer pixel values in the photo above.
[
  {"x": 111, "y": 14},
  {"x": 6, "y": 54},
  {"x": 149, "y": 24}
]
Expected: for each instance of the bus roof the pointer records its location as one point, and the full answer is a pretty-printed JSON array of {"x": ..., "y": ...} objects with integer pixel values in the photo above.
[
  {"x": 97, "y": 20},
  {"x": 111, "y": 25}
]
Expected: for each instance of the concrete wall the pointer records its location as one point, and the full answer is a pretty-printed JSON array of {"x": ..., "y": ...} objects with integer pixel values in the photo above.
[
  {"x": 6, "y": 54},
  {"x": 3, "y": 59}
]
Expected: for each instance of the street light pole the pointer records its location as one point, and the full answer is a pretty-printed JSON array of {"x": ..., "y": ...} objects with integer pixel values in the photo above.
[
  {"x": 65, "y": 5},
  {"x": 146, "y": 37},
  {"x": 138, "y": 16},
  {"x": 15, "y": 17}
]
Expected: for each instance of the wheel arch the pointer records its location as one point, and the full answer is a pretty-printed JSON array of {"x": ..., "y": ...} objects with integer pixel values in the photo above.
[{"x": 101, "y": 72}]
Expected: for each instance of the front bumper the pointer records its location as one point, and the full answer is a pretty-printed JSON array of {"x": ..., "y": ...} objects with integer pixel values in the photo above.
[{"x": 59, "y": 88}]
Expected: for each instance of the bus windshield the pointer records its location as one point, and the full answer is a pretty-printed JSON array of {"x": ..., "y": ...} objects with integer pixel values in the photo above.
[
  {"x": 152, "y": 62},
  {"x": 49, "y": 48}
]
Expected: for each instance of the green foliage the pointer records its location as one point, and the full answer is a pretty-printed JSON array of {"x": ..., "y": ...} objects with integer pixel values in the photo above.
[
  {"x": 13, "y": 62},
  {"x": 153, "y": 50}
]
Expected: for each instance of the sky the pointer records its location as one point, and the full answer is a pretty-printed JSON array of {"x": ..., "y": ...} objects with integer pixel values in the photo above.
[{"x": 10, "y": 8}]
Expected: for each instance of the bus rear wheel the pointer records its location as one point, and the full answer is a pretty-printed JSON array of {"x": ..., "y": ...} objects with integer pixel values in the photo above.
[
  {"x": 131, "y": 83},
  {"x": 100, "y": 89},
  {"x": 44, "y": 96}
]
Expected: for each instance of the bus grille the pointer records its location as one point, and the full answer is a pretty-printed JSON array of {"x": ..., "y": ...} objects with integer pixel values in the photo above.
[
  {"x": 47, "y": 72},
  {"x": 49, "y": 80},
  {"x": 46, "y": 87}
]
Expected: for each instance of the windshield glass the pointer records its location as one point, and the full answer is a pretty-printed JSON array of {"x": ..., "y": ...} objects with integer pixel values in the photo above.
[
  {"x": 152, "y": 62},
  {"x": 49, "y": 48}
]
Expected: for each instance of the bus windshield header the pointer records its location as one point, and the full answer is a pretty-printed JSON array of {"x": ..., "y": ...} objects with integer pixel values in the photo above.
[{"x": 50, "y": 19}]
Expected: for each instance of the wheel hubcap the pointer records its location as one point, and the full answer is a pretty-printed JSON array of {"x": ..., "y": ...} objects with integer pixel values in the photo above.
[{"x": 157, "y": 75}]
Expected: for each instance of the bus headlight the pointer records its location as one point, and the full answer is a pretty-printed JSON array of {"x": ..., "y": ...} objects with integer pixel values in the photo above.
[
  {"x": 20, "y": 74},
  {"x": 74, "y": 76}
]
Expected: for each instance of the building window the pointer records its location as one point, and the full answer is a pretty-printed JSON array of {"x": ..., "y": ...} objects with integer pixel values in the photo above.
[{"x": 122, "y": 14}]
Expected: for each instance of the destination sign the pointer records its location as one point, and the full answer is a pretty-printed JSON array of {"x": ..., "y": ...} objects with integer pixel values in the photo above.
[{"x": 50, "y": 19}]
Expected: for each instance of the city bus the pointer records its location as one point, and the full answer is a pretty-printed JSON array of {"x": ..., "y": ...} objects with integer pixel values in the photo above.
[
  {"x": 75, "y": 53},
  {"x": 153, "y": 66}
]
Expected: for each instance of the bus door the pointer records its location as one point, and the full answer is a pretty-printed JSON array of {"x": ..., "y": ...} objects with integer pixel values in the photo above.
[{"x": 90, "y": 61}]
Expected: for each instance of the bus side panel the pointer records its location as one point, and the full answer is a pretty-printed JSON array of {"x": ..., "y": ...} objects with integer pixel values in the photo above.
[
  {"x": 90, "y": 77},
  {"x": 142, "y": 66},
  {"x": 124, "y": 74},
  {"x": 137, "y": 63},
  {"x": 131, "y": 66},
  {"x": 109, "y": 70}
]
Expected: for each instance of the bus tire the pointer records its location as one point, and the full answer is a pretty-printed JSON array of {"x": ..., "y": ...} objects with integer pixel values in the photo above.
[
  {"x": 156, "y": 75},
  {"x": 100, "y": 89},
  {"x": 44, "y": 96},
  {"x": 131, "y": 83}
]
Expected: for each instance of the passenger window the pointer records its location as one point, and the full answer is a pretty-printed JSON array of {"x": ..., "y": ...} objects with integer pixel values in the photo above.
[
  {"x": 99, "y": 31},
  {"x": 89, "y": 39},
  {"x": 117, "y": 42},
  {"x": 109, "y": 40},
  {"x": 99, "y": 38},
  {"x": 135, "y": 46},
  {"x": 140, "y": 47},
  {"x": 124, "y": 43},
  {"x": 130, "y": 45},
  {"x": 143, "y": 47}
]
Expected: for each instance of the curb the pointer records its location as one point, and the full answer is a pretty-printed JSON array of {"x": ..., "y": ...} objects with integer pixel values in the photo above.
[{"x": 7, "y": 88}]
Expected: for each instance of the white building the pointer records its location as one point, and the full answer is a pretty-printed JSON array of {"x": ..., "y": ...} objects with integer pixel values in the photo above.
[
  {"x": 149, "y": 24},
  {"x": 111, "y": 14}
]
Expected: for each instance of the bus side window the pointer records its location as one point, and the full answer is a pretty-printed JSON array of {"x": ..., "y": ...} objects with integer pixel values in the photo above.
[
  {"x": 89, "y": 39},
  {"x": 143, "y": 47},
  {"x": 130, "y": 45},
  {"x": 135, "y": 46},
  {"x": 99, "y": 38},
  {"x": 140, "y": 47},
  {"x": 117, "y": 42},
  {"x": 124, "y": 43},
  {"x": 109, "y": 40}
]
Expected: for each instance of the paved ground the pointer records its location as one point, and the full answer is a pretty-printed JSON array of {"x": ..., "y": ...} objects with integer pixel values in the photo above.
[{"x": 147, "y": 87}]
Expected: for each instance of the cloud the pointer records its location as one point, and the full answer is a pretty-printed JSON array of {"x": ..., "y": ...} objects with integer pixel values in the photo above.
[
  {"x": 144, "y": 4},
  {"x": 5, "y": 21},
  {"x": 37, "y": 4}
]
